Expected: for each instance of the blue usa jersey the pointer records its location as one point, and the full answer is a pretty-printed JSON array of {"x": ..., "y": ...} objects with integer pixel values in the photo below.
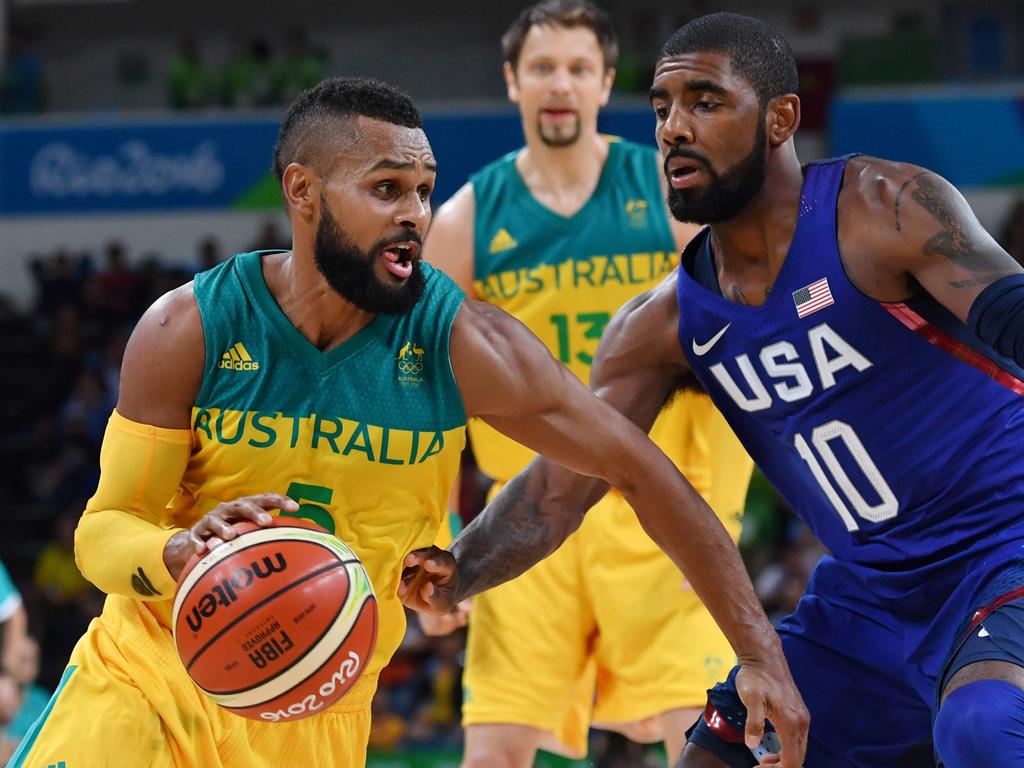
[{"x": 889, "y": 428}]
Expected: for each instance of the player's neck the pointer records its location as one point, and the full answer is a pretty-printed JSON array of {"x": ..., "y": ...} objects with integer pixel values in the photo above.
[
  {"x": 761, "y": 234},
  {"x": 324, "y": 318},
  {"x": 563, "y": 178}
]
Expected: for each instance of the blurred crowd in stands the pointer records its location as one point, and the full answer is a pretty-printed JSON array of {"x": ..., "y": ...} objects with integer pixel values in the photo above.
[{"x": 62, "y": 359}]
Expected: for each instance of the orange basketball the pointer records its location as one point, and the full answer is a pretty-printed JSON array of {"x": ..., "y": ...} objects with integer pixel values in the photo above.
[{"x": 278, "y": 623}]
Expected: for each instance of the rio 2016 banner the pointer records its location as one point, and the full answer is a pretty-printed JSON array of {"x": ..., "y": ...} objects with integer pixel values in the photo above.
[
  {"x": 974, "y": 138},
  {"x": 214, "y": 163}
]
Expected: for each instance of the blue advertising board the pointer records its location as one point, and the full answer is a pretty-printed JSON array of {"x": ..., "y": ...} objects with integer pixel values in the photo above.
[
  {"x": 215, "y": 163},
  {"x": 972, "y": 137}
]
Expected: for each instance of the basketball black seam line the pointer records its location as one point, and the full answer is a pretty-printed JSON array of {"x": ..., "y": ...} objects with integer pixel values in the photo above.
[
  {"x": 370, "y": 599},
  {"x": 292, "y": 664},
  {"x": 258, "y": 543},
  {"x": 260, "y": 604}
]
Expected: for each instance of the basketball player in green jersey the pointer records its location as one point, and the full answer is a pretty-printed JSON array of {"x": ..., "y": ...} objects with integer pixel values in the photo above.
[{"x": 561, "y": 234}]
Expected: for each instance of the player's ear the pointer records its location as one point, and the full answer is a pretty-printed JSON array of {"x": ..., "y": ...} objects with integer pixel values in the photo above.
[
  {"x": 300, "y": 187},
  {"x": 510, "y": 82},
  {"x": 783, "y": 118},
  {"x": 606, "y": 86}
]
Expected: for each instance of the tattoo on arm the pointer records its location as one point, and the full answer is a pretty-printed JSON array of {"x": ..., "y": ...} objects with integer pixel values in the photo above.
[
  {"x": 952, "y": 242},
  {"x": 513, "y": 533},
  {"x": 987, "y": 279},
  {"x": 899, "y": 196}
]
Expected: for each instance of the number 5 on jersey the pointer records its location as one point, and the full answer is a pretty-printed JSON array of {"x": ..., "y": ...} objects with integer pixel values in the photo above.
[{"x": 311, "y": 499}]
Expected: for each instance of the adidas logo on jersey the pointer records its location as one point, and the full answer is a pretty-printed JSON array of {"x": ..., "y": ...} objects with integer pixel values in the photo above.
[
  {"x": 237, "y": 359},
  {"x": 502, "y": 241}
]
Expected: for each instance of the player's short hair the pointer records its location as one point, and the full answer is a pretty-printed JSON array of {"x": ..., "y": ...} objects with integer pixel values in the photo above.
[
  {"x": 312, "y": 119},
  {"x": 757, "y": 52},
  {"x": 562, "y": 13}
]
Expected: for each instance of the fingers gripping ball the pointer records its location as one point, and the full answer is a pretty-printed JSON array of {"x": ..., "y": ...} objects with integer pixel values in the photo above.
[{"x": 278, "y": 623}]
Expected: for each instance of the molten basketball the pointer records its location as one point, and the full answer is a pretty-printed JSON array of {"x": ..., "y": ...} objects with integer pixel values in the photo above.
[{"x": 278, "y": 623}]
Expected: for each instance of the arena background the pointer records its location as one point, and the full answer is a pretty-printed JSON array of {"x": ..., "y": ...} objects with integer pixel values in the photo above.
[{"x": 135, "y": 143}]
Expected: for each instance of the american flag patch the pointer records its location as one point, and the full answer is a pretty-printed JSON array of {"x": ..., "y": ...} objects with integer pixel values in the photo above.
[{"x": 812, "y": 297}]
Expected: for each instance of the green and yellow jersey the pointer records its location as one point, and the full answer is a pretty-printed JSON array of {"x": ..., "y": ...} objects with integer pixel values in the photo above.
[
  {"x": 565, "y": 276},
  {"x": 366, "y": 437}
]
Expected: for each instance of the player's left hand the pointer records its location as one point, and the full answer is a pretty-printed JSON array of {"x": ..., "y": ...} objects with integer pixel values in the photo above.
[
  {"x": 769, "y": 693},
  {"x": 429, "y": 580}
]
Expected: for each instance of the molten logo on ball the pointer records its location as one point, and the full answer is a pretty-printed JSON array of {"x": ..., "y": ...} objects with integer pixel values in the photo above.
[{"x": 226, "y": 592}]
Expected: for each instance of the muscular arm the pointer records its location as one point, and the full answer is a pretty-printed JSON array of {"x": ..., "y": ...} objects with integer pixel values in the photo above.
[
  {"x": 508, "y": 379},
  {"x": 449, "y": 243},
  {"x": 903, "y": 228},
  {"x": 120, "y": 540}
]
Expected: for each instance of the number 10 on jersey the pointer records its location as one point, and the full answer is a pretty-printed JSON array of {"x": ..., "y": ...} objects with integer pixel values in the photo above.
[{"x": 822, "y": 436}]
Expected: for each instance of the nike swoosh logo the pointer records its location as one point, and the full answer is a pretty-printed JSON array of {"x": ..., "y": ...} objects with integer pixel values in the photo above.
[{"x": 702, "y": 349}]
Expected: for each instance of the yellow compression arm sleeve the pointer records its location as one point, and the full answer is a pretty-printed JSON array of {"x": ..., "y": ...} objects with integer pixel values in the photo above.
[{"x": 119, "y": 544}]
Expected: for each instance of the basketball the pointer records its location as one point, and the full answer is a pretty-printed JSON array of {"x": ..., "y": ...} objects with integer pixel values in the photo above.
[{"x": 278, "y": 623}]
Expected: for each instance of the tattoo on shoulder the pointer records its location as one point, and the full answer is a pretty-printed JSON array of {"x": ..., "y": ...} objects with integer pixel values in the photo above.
[
  {"x": 737, "y": 295},
  {"x": 899, "y": 195},
  {"x": 952, "y": 242}
]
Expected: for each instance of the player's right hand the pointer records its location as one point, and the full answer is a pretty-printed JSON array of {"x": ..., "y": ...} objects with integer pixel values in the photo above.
[
  {"x": 434, "y": 625},
  {"x": 430, "y": 577},
  {"x": 768, "y": 692},
  {"x": 217, "y": 526}
]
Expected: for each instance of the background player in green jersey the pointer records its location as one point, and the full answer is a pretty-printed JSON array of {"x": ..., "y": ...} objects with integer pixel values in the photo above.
[{"x": 560, "y": 234}]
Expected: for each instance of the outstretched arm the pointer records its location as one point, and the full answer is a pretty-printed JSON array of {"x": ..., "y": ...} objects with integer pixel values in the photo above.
[
  {"x": 638, "y": 366},
  {"x": 508, "y": 378}
]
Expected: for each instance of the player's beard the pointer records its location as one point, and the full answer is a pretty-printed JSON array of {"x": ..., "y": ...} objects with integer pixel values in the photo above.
[
  {"x": 726, "y": 194},
  {"x": 350, "y": 271},
  {"x": 559, "y": 136}
]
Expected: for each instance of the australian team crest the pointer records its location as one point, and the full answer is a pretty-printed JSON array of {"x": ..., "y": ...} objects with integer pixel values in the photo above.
[
  {"x": 636, "y": 212},
  {"x": 410, "y": 365}
]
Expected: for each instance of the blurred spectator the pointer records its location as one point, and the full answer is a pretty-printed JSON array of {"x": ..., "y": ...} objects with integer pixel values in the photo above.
[
  {"x": 299, "y": 67},
  {"x": 436, "y": 723},
  {"x": 13, "y": 621},
  {"x": 1012, "y": 235},
  {"x": 781, "y": 584},
  {"x": 10, "y": 702},
  {"x": 248, "y": 79},
  {"x": 56, "y": 574},
  {"x": 270, "y": 238},
  {"x": 33, "y": 697},
  {"x": 58, "y": 280},
  {"x": 21, "y": 81},
  {"x": 189, "y": 83},
  {"x": 86, "y": 411},
  {"x": 118, "y": 284},
  {"x": 106, "y": 362},
  {"x": 387, "y": 728},
  {"x": 210, "y": 254}
]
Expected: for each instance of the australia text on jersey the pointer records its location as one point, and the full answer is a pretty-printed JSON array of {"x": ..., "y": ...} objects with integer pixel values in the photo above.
[
  {"x": 593, "y": 271},
  {"x": 262, "y": 429}
]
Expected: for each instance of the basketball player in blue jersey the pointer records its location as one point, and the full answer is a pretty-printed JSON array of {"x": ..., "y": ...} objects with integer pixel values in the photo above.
[{"x": 864, "y": 336}]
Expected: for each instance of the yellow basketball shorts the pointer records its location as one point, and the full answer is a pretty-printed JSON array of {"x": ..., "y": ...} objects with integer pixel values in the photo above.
[
  {"x": 125, "y": 701},
  {"x": 605, "y": 630}
]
